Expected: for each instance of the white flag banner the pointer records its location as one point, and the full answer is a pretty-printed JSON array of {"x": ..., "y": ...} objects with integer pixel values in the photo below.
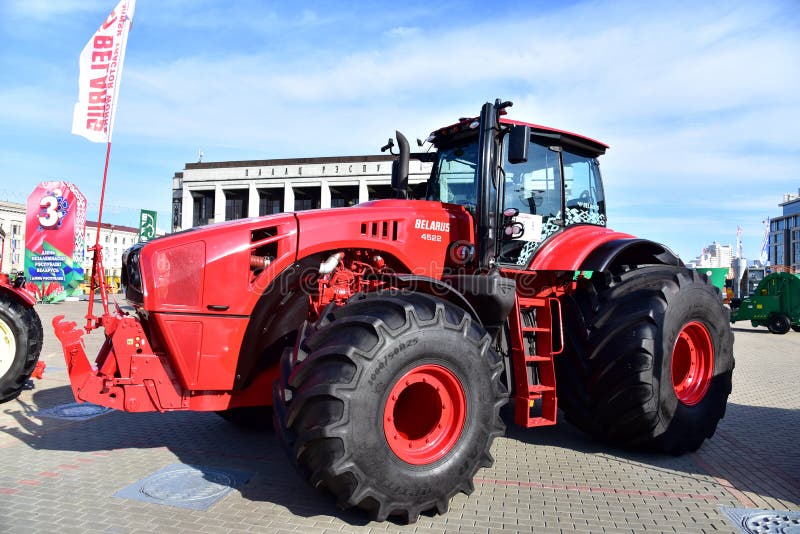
[{"x": 101, "y": 72}]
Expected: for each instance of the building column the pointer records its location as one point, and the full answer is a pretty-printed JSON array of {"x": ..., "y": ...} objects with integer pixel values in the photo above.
[
  {"x": 325, "y": 195},
  {"x": 219, "y": 203},
  {"x": 288, "y": 196},
  {"x": 252, "y": 200},
  {"x": 363, "y": 192},
  {"x": 187, "y": 209}
]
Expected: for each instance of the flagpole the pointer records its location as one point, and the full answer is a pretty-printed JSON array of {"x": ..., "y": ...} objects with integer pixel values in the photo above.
[
  {"x": 101, "y": 63},
  {"x": 97, "y": 259}
]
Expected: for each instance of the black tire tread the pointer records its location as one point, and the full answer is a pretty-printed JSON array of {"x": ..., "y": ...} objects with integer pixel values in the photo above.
[
  {"x": 606, "y": 377},
  {"x": 27, "y": 328},
  {"x": 318, "y": 380}
]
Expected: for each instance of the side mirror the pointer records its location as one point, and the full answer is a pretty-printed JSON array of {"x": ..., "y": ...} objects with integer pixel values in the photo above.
[
  {"x": 518, "y": 141},
  {"x": 400, "y": 167}
]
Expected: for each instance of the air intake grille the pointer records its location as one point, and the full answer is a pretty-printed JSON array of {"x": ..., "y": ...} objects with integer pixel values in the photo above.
[{"x": 380, "y": 229}]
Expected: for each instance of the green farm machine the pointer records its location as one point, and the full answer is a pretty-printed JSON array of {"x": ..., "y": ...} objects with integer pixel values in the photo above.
[{"x": 775, "y": 304}]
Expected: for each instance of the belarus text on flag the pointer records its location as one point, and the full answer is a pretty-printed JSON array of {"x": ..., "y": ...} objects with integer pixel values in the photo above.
[{"x": 101, "y": 72}]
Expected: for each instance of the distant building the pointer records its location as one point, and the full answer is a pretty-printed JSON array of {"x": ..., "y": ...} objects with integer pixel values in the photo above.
[
  {"x": 204, "y": 193},
  {"x": 114, "y": 239},
  {"x": 754, "y": 275},
  {"x": 715, "y": 255},
  {"x": 784, "y": 235},
  {"x": 12, "y": 237},
  {"x": 2, "y": 247}
]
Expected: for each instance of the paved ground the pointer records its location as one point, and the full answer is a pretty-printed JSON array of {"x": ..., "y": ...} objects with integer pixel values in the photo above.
[{"x": 61, "y": 476}]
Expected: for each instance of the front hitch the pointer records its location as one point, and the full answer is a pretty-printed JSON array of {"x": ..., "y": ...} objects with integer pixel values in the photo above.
[{"x": 127, "y": 375}]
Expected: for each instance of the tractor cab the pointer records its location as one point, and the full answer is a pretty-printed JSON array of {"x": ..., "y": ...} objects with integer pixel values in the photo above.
[{"x": 543, "y": 181}]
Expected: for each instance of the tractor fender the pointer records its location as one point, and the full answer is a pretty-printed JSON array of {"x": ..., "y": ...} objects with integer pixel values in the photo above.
[
  {"x": 488, "y": 298},
  {"x": 568, "y": 249},
  {"x": 431, "y": 286},
  {"x": 629, "y": 251},
  {"x": 283, "y": 307},
  {"x": 594, "y": 248},
  {"x": 19, "y": 295},
  {"x": 280, "y": 310}
]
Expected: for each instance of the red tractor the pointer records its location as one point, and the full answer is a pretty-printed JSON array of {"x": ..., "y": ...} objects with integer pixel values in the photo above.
[
  {"x": 383, "y": 339},
  {"x": 20, "y": 337}
]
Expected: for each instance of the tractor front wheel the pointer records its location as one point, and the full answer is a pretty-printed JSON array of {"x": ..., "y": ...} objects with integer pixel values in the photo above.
[
  {"x": 391, "y": 403},
  {"x": 648, "y": 359},
  {"x": 20, "y": 344}
]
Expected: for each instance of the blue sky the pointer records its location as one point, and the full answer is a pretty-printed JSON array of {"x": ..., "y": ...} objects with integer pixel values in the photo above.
[{"x": 700, "y": 101}]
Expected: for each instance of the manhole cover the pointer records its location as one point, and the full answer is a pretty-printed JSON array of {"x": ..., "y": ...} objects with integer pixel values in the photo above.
[
  {"x": 74, "y": 411},
  {"x": 767, "y": 523},
  {"x": 185, "y": 486},
  {"x": 764, "y": 521}
]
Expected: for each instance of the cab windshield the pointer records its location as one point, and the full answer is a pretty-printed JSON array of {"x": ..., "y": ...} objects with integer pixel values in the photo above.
[
  {"x": 534, "y": 188},
  {"x": 453, "y": 178}
]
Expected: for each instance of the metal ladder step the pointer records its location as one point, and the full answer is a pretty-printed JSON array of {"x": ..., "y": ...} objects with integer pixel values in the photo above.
[
  {"x": 538, "y": 367},
  {"x": 537, "y": 359}
]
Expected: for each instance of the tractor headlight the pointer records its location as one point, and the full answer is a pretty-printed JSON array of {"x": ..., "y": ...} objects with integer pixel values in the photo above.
[{"x": 131, "y": 277}]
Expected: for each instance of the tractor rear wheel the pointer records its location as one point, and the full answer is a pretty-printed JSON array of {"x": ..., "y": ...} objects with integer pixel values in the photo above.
[
  {"x": 648, "y": 360},
  {"x": 391, "y": 403},
  {"x": 778, "y": 323},
  {"x": 20, "y": 344}
]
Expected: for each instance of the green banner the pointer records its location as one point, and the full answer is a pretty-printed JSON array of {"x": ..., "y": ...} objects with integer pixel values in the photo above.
[{"x": 147, "y": 225}]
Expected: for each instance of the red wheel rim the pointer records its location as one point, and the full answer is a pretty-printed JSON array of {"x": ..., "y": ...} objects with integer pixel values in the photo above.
[
  {"x": 424, "y": 414},
  {"x": 692, "y": 363}
]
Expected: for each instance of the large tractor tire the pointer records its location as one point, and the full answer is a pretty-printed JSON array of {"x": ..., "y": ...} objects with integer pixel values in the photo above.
[
  {"x": 391, "y": 403},
  {"x": 648, "y": 359},
  {"x": 20, "y": 344}
]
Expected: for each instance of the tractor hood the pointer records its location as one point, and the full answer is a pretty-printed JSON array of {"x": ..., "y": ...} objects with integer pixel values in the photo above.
[
  {"x": 416, "y": 233},
  {"x": 223, "y": 268},
  {"x": 208, "y": 268}
]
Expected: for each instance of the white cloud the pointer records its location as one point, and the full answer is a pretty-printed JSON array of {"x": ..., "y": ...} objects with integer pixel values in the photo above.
[
  {"x": 402, "y": 31},
  {"x": 631, "y": 72},
  {"x": 696, "y": 100},
  {"x": 308, "y": 16}
]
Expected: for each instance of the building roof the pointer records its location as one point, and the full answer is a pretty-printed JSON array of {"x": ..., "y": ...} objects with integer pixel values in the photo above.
[
  {"x": 790, "y": 204},
  {"x": 12, "y": 206},
  {"x": 295, "y": 161},
  {"x": 109, "y": 226}
]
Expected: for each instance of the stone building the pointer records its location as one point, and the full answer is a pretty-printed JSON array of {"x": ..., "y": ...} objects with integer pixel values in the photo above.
[
  {"x": 784, "y": 235},
  {"x": 12, "y": 237},
  {"x": 115, "y": 239},
  {"x": 222, "y": 191}
]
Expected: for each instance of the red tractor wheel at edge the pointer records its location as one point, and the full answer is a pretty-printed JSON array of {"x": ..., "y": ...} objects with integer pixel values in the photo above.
[{"x": 20, "y": 340}]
